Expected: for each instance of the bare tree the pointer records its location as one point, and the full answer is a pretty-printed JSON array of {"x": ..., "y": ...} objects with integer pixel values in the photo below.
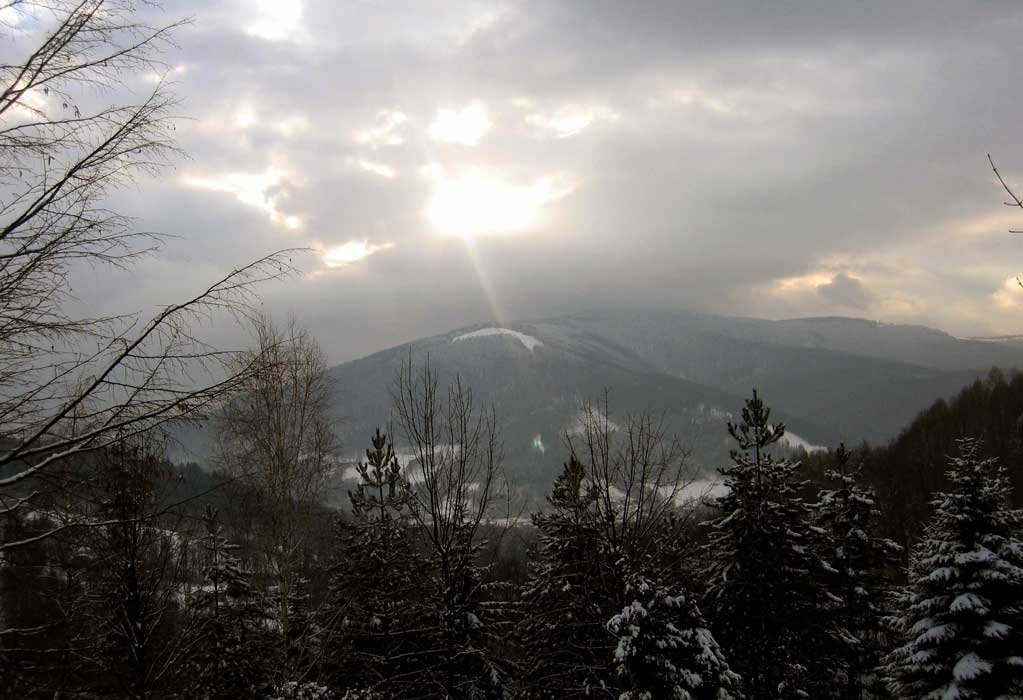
[
  {"x": 70, "y": 133},
  {"x": 277, "y": 437},
  {"x": 617, "y": 516},
  {"x": 454, "y": 486},
  {"x": 638, "y": 474}
]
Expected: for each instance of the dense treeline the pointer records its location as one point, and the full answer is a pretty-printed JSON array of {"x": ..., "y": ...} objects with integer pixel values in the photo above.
[
  {"x": 907, "y": 471},
  {"x": 786, "y": 586}
]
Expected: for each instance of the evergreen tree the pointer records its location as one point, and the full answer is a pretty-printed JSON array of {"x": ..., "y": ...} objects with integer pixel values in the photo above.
[
  {"x": 666, "y": 651},
  {"x": 231, "y": 643},
  {"x": 566, "y": 602},
  {"x": 376, "y": 589},
  {"x": 614, "y": 539},
  {"x": 133, "y": 603},
  {"x": 861, "y": 582},
  {"x": 766, "y": 591},
  {"x": 962, "y": 625}
]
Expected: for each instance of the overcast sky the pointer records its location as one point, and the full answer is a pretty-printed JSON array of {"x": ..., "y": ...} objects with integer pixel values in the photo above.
[{"x": 460, "y": 162}]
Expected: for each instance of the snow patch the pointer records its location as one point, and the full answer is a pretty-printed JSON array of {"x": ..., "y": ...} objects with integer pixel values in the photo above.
[
  {"x": 529, "y": 341},
  {"x": 701, "y": 490},
  {"x": 590, "y": 418},
  {"x": 795, "y": 442}
]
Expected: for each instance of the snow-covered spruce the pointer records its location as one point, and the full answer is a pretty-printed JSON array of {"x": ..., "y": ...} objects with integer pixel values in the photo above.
[
  {"x": 293, "y": 690},
  {"x": 666, "y": 651},
  {"x": 962, "y": 625},
  {"x": 848, "y": 514},
  {"x": 767, "y": 594}
]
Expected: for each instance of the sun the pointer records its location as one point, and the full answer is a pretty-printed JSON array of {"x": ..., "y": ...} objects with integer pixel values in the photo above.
[{"x": 477, "y": 205}]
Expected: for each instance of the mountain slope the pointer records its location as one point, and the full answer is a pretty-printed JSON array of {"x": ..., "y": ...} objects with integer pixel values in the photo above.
[
  {"x": 539, "y": 392},
  {"x": 828, "y": 379}
]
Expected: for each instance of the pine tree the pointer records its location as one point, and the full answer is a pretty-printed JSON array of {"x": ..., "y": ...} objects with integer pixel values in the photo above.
[
  {"x": 231, "y": 643},
  {"x": 566, "y": 602},
  {"x": 133, "y": 604},
  {"x": 861, "y": 582},
  {"x": 766, "y": 594},
  {"x": 666, "y": 651},
  {"x": 609, "y": 552},
  {"x": 962, "y": 625},
  {"x": 377, "y": 582}
]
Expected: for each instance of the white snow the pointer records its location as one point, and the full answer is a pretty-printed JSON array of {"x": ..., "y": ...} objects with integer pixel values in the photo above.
[
  {"x": 590, "y": 418},
  {"x": 795, "y": 442},
  {"x": 529, "y": 341},
  {"x": 701, "y": 490}
]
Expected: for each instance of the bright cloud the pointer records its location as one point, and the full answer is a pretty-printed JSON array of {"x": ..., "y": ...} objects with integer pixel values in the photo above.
[
  {"x": 801, "y": 283},
  {"x": 386, "y": 131},
  {"x": 702, "y": 99},
  {"x": 352, "y": 252},
  {"x": 172, "y": 74},
  {"x": 478, "y": 204},
  {"x": 464, "y": 127},
  {"x": 246, "y": 116},
  {"x": 1009, "y": 296},
  {"x": 275, "y": 20},
  {"x": 379, "y": 169},
  {"x": 570, "y": 120},
  {"x": 259, "y": 190}
]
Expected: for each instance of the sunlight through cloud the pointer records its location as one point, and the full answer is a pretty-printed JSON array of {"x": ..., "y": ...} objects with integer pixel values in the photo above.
[
  {"x": 464, "y": 127},
  {"x": 352, "y": 252},
  {"x": 475, "y": 204},
  {"x": 259, "y": 190},
  {"x": 275, "y": 20},
  {"x": 379, "y": 169},
  {"x": 1009, "y": 296},
  {"x": 570, "y": 120}
]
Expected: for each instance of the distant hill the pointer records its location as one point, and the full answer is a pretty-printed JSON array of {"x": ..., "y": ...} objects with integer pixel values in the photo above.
[{"x": 829, "y": 379}]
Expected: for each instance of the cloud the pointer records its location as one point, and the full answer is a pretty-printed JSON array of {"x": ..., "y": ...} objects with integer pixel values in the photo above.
[
  {"x": 264, "y": 191},
  {"x": 386, "y": 130},
  {"x": 1009, "y": 296},
  {"x": 846, "y": 291},
  {"x": 476, "y": 203},
  {"x": 727, "y": 157},
  {"x": 275, "y": 20},
  {"x": 465, "y": 127},
  {"x": 352, "y": 252},
  {"x": 570, "y": 120}
]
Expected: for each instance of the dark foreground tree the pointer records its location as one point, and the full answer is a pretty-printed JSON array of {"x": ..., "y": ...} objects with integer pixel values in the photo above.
[
  {"x": 230, "y": 645},
  {"x": 278, "y": 441},
  {"x": 861, "y": 581},
  {"x": 136, "y": 638},
  {"x": 615, "y": 522},
  {"x": 377, "y": 604},
  {"x": 961, "y": 624},
  {"x": 454, "y": 490},
  {"x": 767, "y": 592}
]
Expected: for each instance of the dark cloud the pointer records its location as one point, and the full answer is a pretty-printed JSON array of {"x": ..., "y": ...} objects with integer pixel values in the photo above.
[{"x": 846, "y": 291}]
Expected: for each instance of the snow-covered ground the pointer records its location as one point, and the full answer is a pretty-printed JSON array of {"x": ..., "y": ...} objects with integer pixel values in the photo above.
[
  {"x": 589, "y": 417},
  {"x": 529, "y": 341},
  {"x": 405, "y": 455},
  {"x": 795, "y": 442}
]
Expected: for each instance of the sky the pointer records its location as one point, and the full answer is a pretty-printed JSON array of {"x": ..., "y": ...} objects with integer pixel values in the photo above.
[{"x": 459, "y": 162}]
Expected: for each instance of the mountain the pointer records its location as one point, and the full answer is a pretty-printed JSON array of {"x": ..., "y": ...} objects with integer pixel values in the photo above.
[{"x": 829, "y": 379}]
